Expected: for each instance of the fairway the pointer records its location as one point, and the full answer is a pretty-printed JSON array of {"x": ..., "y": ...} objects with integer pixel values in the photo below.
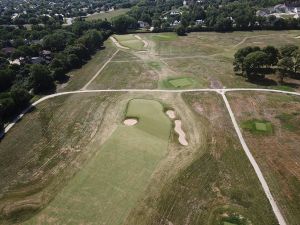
[
  {"x": 181, "y": 82},
  {"x": 105, "y": 190}
]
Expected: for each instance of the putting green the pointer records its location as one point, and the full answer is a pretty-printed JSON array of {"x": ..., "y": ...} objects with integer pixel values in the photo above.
[
  {"x": 181, "y": 82},
  {"x": 108, "y": 187},
  {"x": 258, "y": 126}
]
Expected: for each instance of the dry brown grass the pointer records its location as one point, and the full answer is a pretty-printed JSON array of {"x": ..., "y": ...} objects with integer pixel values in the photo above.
[{"x": 277, "y": 154}]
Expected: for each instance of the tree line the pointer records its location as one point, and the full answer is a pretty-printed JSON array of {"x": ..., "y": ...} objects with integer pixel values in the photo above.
[
  {"x": 70, "y": 48},
  {"x": 255, "y": 62}
]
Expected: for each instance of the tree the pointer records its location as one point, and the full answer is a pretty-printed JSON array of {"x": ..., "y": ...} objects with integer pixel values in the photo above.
[
  {"x": 285, "y": 65},
  {"x": 296, "y": 57},
  {"x": 123, "y": 22},
  {"x": 254, "y": 61},
  {"x": 180, "y": 30},
  {"x": 223, "y": 24},
  {"x": 273, "y": 55},
  {"x": 42, "y": 80},
  {"x": 240, "y": 55},
  {"x": 6, "y": 79},
  {"x": 20, "y": 96},
  {"x": 288, "y": 50}
]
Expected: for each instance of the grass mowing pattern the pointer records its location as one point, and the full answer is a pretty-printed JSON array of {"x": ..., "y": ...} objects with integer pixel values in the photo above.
[
  {"x": 181, "y": 82},
  {"x": 106, "y": 189}
]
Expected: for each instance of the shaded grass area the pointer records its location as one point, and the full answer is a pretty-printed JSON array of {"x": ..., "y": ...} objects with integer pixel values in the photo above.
[
  {"x": 107, "y": 15},
  {"x": 128, "y": 40},
  {"x": 105, "y": 190},
  {"x": 125, "y": 75},
  {"x": 278, "y": 153},
  {"x": 79, "y": 77},
  {"x": 218, "y": 182}
]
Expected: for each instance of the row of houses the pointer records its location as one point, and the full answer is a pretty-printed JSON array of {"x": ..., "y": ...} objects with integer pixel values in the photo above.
[{"x": 280, "y": 11}]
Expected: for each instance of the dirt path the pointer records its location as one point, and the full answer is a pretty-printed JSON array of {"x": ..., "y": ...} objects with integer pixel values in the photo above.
[
  {"x": 115, "y": 41},
  {"x": 99, "y": 71},
  {"x": 145, "y": 42},
  {"x": 254, "y": 164}
]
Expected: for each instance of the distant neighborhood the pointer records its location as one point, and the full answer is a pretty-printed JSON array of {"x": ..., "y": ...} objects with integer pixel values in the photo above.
[{"x": 280, "y": 11}]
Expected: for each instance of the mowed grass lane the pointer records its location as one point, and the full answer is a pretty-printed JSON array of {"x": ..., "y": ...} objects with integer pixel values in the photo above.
[{"x": 108, "y": 187}]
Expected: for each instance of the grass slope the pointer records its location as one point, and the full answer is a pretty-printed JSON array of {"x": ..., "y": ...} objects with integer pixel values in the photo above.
[{"x": 105, "y": 190}]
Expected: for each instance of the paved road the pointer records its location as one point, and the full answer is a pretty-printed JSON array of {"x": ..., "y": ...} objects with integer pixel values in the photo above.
[{"x": 222, "y": 92}]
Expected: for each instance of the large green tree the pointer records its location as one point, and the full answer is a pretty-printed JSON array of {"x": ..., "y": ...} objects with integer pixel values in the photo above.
[{"x": 41, "y": 78}]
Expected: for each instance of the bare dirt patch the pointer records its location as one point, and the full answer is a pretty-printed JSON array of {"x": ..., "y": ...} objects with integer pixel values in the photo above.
[{"x": 130, "y": 122}]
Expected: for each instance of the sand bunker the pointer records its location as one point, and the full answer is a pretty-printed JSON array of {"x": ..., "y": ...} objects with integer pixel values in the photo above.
[
  {"x": 298, "y": 37},
  {"x": 171, "y": 114},
  {"x": 182, "y": 140},
  {"x": 130, "y": 122}
]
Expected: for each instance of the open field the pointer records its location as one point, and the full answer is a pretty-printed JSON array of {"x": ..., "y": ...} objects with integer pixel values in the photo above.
[
  {"x": 107, "y": 15},
  {"x": 276, "y": 152},
  {"x": 140, "y": 175},
  {"x": 126, "y": 75}
]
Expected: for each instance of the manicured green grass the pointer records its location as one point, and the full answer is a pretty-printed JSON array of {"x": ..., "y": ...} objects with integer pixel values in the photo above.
[
  {"x": 283, "y": 88},
  {"x": 128, "y": 40},
  {"x": 181, "y": 82},
  {"x": 105, "y": 190},
  {"x": 155, "y": 65},
  {"x": 258, "y": 126},
  {"x": 218, "y": 177},
  {"x": 108, "y": 15}
]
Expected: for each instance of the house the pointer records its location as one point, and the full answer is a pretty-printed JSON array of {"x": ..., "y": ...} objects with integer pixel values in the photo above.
[
  {"x": 37, "y": 60},
  {"x": 143, "y": 24},
  {"x": 199, "y": 22}
]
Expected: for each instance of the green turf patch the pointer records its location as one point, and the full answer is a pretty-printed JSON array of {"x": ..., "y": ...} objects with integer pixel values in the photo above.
[
  {"x": 258, "y": 126},
  {"x": 155, "y": 65},
  {"x": 108, "y": 187},
  {"x": 227, "y": 223},
  {"x": 181, "y": 82},
  {"x": 283, "y": 88},
  {"x": 290, "y": 121}
]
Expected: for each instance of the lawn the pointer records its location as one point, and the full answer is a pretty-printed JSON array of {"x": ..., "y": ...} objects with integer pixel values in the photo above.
[
  {"x": 105, "y": 190},
  {"x": 106, "y": 15},
  {"x": 128, "y": 40},
  {"x": 278, "y": 152}
]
